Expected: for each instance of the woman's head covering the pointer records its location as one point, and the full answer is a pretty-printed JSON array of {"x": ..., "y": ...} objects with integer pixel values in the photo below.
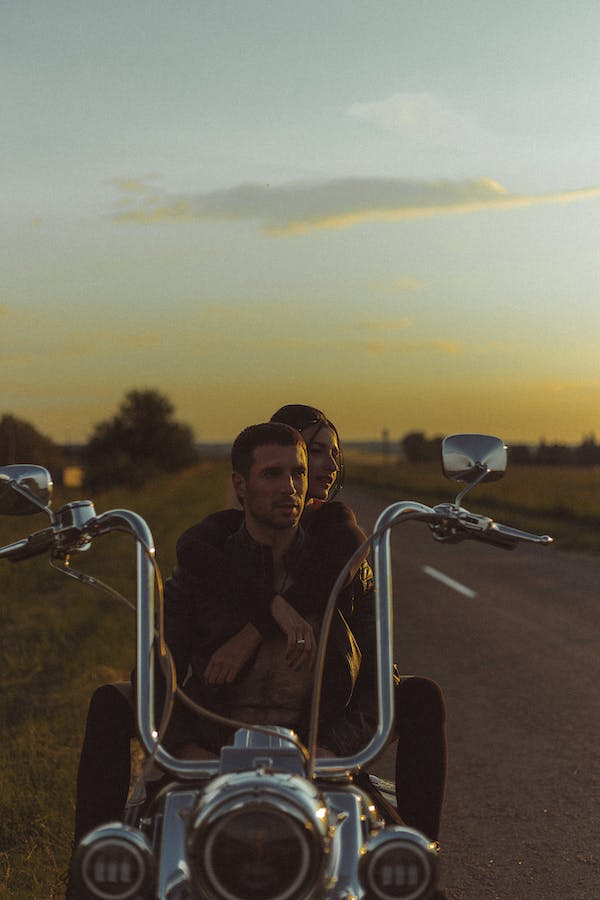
[{"x": 301, "y": 417}]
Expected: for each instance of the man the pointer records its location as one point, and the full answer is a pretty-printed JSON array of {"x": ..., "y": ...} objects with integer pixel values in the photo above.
[
  {"x": 219, "y": 623},
  {"x": 331, "y": 537},
  {"x": 241, "y": 648},
  {"x": 249, "y": 650}
]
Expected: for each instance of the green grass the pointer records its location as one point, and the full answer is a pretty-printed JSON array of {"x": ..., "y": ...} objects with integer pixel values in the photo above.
[
  {"x": 561, "y": 501},
  {"x": 58, "y": 641}
]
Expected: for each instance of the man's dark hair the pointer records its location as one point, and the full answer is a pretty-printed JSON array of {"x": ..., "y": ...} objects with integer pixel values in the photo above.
[{"x": 242, "y": 451}]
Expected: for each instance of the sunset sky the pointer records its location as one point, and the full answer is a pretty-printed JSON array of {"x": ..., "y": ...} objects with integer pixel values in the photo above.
[{"x": 390, "y": 210}]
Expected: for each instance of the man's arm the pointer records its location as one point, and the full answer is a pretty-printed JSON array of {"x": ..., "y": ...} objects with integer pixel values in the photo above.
[
  {"x": 198, "y": 616},
  {"x": 229, "y": 659},
  {"x": 199, "y": 553},
  {"x": 211, "y": 532}
]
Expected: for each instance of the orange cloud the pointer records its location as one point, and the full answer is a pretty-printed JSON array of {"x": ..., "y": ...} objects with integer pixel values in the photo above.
[{"x": 300, "y": 207}]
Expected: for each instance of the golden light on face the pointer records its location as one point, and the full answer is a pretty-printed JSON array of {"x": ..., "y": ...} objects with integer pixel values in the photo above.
[
  {"x": 274, "y": 491},
  {"x": 323, "y": 459}
]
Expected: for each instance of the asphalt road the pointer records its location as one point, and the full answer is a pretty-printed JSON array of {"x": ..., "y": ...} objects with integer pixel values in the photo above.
[{"x": 517, "y": 655}]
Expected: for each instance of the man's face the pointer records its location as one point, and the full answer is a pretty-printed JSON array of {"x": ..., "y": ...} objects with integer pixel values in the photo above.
[{"x": 274, "y": 491}]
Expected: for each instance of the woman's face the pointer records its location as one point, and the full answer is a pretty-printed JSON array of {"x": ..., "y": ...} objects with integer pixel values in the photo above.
[{"x": 323, "y": 460}]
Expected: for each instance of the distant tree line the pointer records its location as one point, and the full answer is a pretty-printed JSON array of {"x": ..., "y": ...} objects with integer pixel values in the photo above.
[
  {"x": 416, "y": 447},
  {"x": 21, "y": 442},
  {"x": 141, "y": 440}
]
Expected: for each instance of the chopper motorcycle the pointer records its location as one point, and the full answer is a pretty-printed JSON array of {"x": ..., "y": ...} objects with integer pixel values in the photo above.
[{"x": 268, "y": 820}]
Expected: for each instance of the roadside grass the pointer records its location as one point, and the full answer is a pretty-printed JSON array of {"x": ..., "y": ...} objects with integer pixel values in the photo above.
[
  {"x": 562, "y": 501},
  {"x": 58, "y": 641}
]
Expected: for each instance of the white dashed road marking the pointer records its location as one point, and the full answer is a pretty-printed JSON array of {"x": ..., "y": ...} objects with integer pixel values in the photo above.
[{"x": 449, "y": 582}]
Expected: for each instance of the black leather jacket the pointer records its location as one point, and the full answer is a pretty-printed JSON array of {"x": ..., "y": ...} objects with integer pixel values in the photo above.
[{"x": 214, "y": 592}]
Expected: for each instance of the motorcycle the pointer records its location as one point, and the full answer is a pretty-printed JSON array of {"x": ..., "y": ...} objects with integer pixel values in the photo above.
[{"x": 268, "y": 820}]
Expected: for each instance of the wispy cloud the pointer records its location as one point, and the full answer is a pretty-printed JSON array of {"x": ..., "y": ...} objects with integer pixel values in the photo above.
[
  {"x": 423, "y": 117},
  {"x": 108, "y": 340},
  {"x": 406, "y": 283},
  {"x": 430, "y": 345},
  {"x": 143, "y": 185},
  {"x": 299, "y": 207},
  {"x": 385, "y": 324},
  {"x": 79, "y": 344}
]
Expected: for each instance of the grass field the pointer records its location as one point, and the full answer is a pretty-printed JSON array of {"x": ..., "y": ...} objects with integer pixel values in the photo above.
[
  {"x": 60, "y": 640},
  {"x": 557, "y": 500}
]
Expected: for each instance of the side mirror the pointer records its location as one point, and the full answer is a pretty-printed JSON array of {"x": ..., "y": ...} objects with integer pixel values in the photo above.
[
  {"x": 472, "y": 458},
  {"x": 24, "y": 490}
]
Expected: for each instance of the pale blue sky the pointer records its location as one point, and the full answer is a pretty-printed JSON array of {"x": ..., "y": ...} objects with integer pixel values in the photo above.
[{"x": 387, "y": 209}]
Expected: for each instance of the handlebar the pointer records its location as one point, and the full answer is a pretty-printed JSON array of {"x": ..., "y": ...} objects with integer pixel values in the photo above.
[
  {"x": 75, "y": 526},
  {"x": 37, "y": 543},
  {"x": 451, "y": 524}
]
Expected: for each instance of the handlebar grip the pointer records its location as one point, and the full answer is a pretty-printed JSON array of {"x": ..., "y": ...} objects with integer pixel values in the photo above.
[
  {"x": 497, "y": 538},
  {"x": 37, "y": 543}
]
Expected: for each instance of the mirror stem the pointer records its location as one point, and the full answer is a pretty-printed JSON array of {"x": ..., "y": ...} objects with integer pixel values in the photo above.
[{"x": 483, "y": 471}]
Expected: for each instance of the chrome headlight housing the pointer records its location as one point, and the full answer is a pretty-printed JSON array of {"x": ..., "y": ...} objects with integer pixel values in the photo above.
[
  {"x": 115, "y": 862},
  {"x": 258, "y": 836},
  {"x": 399, "y": 864}
]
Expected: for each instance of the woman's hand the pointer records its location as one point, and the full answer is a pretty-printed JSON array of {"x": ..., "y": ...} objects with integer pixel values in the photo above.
[
  {"x": 226, "y": 662},
  {"x": 301, "y": 645}
]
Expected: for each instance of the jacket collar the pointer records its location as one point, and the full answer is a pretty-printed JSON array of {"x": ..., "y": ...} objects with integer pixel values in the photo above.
[{"x": 243, "y": 540}]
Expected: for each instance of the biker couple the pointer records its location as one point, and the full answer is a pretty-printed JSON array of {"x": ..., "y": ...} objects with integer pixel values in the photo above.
[{"x": 242, "y": 610}]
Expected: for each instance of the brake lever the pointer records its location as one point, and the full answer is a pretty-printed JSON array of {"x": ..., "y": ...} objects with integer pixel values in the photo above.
[{"x": 456, "y": 524}]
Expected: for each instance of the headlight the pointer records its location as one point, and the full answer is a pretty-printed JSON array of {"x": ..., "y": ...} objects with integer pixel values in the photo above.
[
  {"x": 399, "y": 864},
  {"x": 115, "y": 862},
  {"x": 258, "y": 837}
]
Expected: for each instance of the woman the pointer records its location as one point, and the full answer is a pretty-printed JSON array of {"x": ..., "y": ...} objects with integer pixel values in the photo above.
[{"x": 330, "y": 525}]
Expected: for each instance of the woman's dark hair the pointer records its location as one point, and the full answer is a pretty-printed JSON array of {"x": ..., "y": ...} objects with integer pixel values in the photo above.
[
  {"x": 254, "y": 436},
  {"x": 300, "y": 417}
]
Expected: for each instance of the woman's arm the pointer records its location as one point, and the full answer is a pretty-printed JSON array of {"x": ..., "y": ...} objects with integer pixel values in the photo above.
[{"x": 333, "y": 536}]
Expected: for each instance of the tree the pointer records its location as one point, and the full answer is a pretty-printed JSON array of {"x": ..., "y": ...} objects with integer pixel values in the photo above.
[
  {"x": 588, "y": 452},
  {"x": 417, "y": 448},
  {"x": 141, "y": 440},
  {"x": 21, "y": 442}
]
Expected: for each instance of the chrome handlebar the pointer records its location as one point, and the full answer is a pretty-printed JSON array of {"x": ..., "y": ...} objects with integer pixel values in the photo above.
[
  {"x": 453, "y": 523},
  {"x": 75, "y": 526}
]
